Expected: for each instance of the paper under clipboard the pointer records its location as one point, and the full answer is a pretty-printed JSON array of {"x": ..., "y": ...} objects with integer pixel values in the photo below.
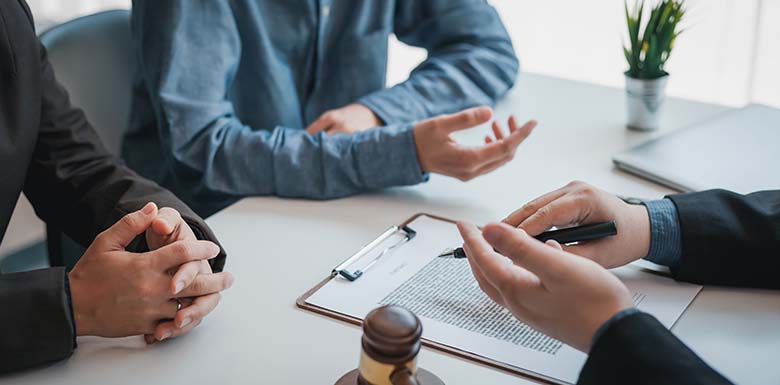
[{"x": 457, "y": 317}]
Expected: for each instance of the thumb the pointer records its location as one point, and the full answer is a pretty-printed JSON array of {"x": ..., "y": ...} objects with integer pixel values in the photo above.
[
  {"x": 131, "y": 225},
  {"x": 525, "y": 251},
  {"x": 461, "y": 120}
]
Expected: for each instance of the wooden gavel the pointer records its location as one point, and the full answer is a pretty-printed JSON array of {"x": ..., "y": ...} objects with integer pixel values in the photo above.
[{"x": 391, "y": 342}]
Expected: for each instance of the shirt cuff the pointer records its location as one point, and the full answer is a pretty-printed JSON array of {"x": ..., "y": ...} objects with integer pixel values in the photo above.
[
  {"x": 66, "y": 287},
  {"x": 387, "y": 157},
  {"x": 615, "y": 318},
  {"x": 665, "y": 235}
]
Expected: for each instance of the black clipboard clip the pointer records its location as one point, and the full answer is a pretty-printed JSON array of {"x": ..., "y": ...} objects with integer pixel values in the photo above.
[{"x": 343, "y": 269}]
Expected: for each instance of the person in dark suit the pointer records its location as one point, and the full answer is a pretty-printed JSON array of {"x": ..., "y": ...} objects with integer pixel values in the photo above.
[
  {"x": 148, "y": 270},
  {"x": 711, "y": 237}
]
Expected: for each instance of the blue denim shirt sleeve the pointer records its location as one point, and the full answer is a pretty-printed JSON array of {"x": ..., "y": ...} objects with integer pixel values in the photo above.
[
  {"x": 665, "y": 235},
  {"x": 470, "y": 62},
  {"x": 188, "y": 69}
]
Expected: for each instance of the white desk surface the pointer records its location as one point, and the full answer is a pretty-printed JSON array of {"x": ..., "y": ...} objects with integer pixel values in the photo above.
[{"x": 279, "y": 248}]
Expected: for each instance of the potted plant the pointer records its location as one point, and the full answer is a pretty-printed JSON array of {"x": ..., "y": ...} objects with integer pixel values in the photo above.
[{"x": 647, "y": 53}]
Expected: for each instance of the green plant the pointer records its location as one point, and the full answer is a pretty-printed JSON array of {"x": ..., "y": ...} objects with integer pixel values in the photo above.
[{"x": 648, "y": 55}]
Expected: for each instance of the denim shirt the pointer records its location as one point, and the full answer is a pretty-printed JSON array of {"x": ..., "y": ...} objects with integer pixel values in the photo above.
[{"x": 225, "y": 89}]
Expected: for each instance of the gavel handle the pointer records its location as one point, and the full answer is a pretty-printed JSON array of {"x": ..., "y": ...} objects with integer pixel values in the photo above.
[{"x": 403, "y": 377}]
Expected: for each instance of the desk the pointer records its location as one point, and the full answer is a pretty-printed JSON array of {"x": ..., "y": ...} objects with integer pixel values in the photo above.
[{"x": 279, "y": 248}]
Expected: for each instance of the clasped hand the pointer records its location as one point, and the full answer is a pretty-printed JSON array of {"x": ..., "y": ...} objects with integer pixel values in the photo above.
[{"x": 162, "y": 293}]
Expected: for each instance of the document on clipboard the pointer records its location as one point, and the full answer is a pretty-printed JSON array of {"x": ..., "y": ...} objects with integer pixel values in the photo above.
[{"x": 401, "y": 267}]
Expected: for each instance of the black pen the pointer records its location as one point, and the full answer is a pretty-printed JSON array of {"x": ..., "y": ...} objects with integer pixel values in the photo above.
[{"x": 563, "y": 236}]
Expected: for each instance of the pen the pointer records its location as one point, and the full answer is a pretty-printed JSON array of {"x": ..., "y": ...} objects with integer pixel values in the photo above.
[{"x": 563, "y": 236}]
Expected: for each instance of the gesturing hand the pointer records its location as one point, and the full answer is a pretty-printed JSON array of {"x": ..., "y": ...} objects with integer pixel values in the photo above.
[
  {"x": 438, "y": 152},
  {"x": 169, "y": 227},
  {"x": 117, "y": 293},
  {"x": 579, "y": 203},
  {"x": 348, "y": 119},
  {"x": 560, "y": 294}
]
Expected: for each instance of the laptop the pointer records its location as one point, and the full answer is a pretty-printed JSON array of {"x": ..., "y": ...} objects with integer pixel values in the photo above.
[{"x": 737, "y": 151}]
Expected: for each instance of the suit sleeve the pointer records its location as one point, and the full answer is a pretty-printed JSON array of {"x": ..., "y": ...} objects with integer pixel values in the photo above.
[
  {"x": 729, "y": 239},
  {"x": 36, "y": 322},
  {"x": 470, "y": 61},
  {"x": 637, "y": 349},
  {"x": 74, "y": 183}
]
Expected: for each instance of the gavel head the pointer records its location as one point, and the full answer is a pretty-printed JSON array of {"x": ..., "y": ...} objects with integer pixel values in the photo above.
[{"x": 391, "y": 341}]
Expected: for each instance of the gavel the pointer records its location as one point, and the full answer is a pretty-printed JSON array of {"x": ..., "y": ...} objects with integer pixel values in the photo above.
[{"x": 390, "y": 344}]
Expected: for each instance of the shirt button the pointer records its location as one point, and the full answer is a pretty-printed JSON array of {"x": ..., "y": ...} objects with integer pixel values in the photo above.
[{"x": 326, "y": 10}]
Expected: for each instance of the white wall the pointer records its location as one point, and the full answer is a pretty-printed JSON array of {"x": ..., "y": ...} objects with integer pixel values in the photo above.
[
  {"x": 729, "y": 53},
  {"x": 766, "y": 78}
]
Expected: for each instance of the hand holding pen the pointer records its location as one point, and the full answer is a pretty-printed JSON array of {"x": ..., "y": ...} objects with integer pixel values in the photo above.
[
  {"x": 563, "y": 236},
  {"x": 580, "y": 203}
]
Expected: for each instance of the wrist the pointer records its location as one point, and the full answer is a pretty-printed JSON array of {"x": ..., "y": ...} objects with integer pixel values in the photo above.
[
  {"x": 641, "y": 236},
  {"x": 421, "y": 160},
  {"x": 369, "y": 114},
  {"x": 82, "y": 317}
]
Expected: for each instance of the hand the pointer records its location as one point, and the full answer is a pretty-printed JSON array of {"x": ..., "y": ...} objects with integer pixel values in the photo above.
[
  {"x": 438, "y": 152},
  {"x": 579, "y": 203},
  {"x": 560, "y": 294},
  {"x": 348, "y": 119},
  {"x": 117, "y": 293},
  {"x": 169, "y": 227}
]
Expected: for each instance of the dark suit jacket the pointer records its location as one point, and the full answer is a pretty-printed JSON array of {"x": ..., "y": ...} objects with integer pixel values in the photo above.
[
  {"x": 49, "y": 151},
  {"x": 727, "y": 239}
]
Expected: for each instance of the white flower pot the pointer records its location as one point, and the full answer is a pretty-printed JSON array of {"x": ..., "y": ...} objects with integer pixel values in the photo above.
[{"x": 644, "y": 102}]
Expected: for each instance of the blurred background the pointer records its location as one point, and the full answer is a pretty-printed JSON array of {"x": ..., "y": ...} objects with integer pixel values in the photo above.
[
  {"x": 726, "y": 55},
  {"x": 729, "y": 54}
]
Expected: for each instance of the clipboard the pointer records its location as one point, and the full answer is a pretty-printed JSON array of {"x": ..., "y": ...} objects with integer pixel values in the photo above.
[{"x": 301, "y": 303}]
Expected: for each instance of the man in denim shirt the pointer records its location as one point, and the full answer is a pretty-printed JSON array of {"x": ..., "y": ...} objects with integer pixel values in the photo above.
[{"x": 238, "y": 98}]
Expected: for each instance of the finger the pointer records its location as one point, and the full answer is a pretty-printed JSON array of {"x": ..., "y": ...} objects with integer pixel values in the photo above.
[
  {"x": 540, "y": 259},
  {"x": 184, "y": 276},
  {"x": 168, "y": 223},
  {"x": 563, "y": 212},
  {"x": 521, "y": 134},
  {"x": 207, "y": 284},
  {"x": 166, "y": 313},
  {"x": 181, "y": 252},
  {"x": 488, "y": 139},
  {"x": 518, "y": 216},
  {"x": 506, "y": 147},
  {"x": 338, "y": 129},
  {"x": 513, "y": 124},
  {"x": 484, "y": 284},
  {"x": 130, "y": 226},
  {"x": 167, "y": 329},
  {"x": 321, "y": 124},
  {"x": 201, "y": 306},
  {"x": 460, "y": 121},
  {"x": 497, "y": 130},
  {"x": 554, "y": 244},
  {"x": 494, "y": 267},
  {"x": 587, "y": 250}
]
